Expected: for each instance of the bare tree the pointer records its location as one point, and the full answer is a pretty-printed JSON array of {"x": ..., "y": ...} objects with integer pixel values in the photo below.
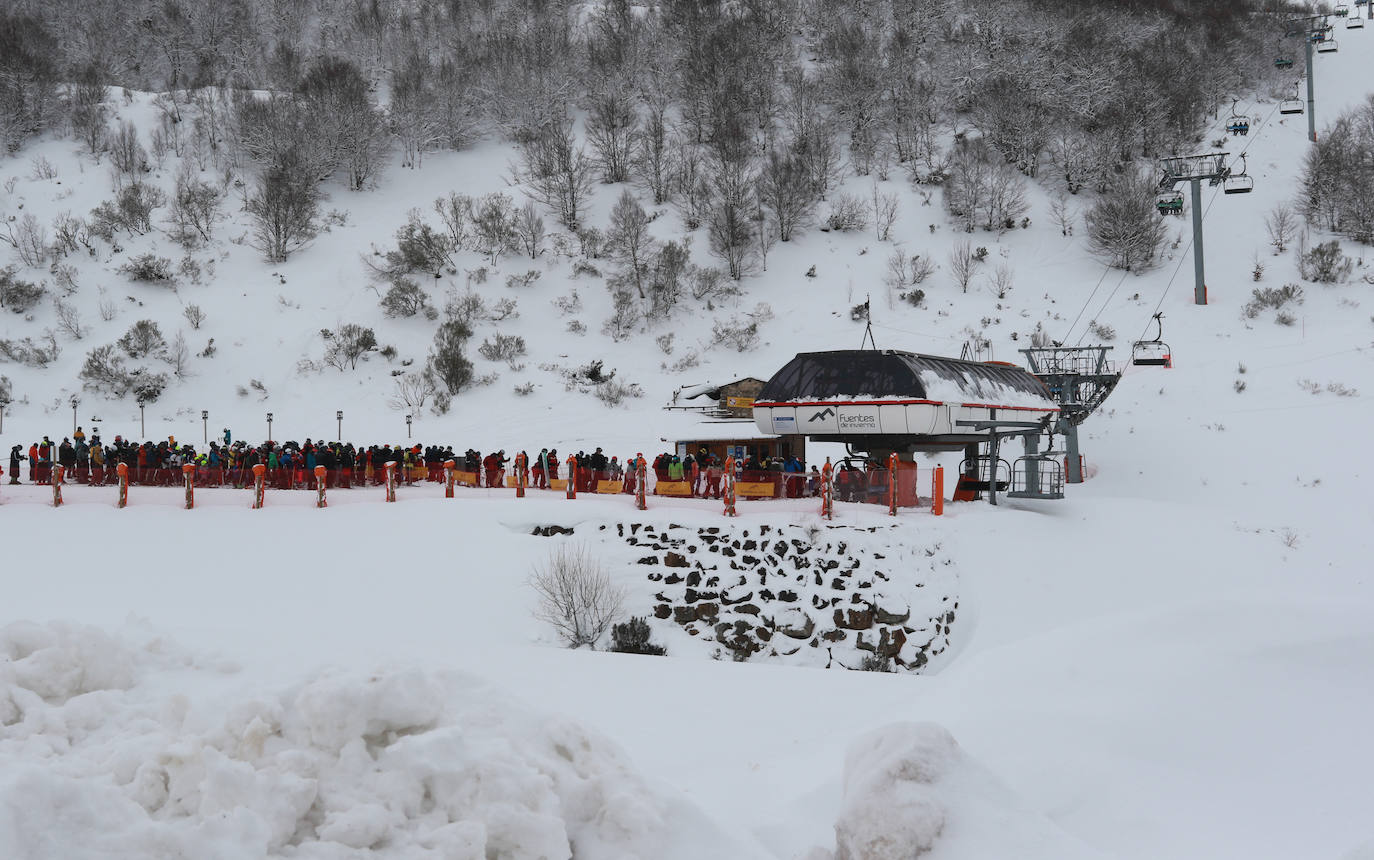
[
  {"x": 628, "y": 238},
  {"x": 884, "y": 213},
  {"x": 786, "y": 190},
  {"x": 68, "y": 318},
  {"x": 1282, "y": 226},
  {"x": 576, "y": 595},
  {"x": 128, "y": 158},
  {"x": 194, "y": 315},
  {"x": 612, "y": 127},
  {"x": 283, "y": 207},
  {"x": 195, "y": 209},
  {"x": 529, "y": 225},
  {"x": 342, "y": 120},
  {"x": 1062, "y": 213},
  {"x": 178, "y": 353},
  {"x": 1123, "y": 225},
  {"x": 558, "y": 172},
  {"x": 962, "y": 262},
  {"x": 653, "y": 156}
]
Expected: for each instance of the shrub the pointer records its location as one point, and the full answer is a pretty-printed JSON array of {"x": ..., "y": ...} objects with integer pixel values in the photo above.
[
  {"x": 874, "y": 663},
  {"x": 522, "y": 280},
  {"x": 575, "y": 595},
  {"x": 31, "y": 354},
  {"x": 613, "y": 393},
  {"x": 1102, "y": 331},
  {"x": 446, "y": 358},
  {"x": 1271, "y": 297},
  {"x": 19, "y": 296},
  {"x": 632, "y": 637},
  {"x": 847, "y": 214},
  {"x": 348, "y": 343},
  {"x": 194, "y": 315},
  {"x": 404, "y": 299},
  {"x": 1324, "y": 264},
  {"x": 143, "y": 338},
  {"x": 148, "y": 268},
  {"x": 915, "y": 298},
  {"x": 502, "y": 347}
]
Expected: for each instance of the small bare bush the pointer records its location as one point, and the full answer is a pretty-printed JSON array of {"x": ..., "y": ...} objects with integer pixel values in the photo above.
[
  {"x": 194, "y": 315},
  {"x": 847, "y": 214},
  {"x": 1272, "y": 297},
  {"x": 576, "y": 595},
  {"x": 502, "y": 347},
  {"x": 68, "y": 318}
]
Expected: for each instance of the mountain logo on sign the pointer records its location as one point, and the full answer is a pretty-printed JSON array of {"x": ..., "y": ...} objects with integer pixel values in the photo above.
[{"x": 825, "y": 413}]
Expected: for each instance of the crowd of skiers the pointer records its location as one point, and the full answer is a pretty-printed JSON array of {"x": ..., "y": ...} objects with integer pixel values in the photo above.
[{"x": 292, "y": 465}]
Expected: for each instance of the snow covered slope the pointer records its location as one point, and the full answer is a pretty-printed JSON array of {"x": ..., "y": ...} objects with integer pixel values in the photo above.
[{"x": 1172, "y": 662}]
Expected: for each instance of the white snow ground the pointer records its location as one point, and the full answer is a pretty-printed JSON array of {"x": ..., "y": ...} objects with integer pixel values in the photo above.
[{"x": 1173, "y": 662}]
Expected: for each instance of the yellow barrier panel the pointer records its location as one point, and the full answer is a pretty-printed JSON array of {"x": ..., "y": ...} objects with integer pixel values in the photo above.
[
  {"x": 610, "y": 486},
  {"x": 558, "y": 483},
  {"x": 673, "y": 488},
  {"x": 755, "y": 489}
]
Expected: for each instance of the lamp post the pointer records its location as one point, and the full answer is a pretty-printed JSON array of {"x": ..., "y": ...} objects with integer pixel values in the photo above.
[
  {"x": 338, "y": 416},
  {"x": 142, "y": 427},
  {"x": 407, "y": 426},
  {"x": 269, "y": 427},
  {"x": 205, "y": 425},
  {"x": 75, "y": 401}
]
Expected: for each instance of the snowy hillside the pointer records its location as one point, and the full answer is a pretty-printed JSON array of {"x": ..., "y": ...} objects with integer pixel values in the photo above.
[{"x": 1172, "y": 662}]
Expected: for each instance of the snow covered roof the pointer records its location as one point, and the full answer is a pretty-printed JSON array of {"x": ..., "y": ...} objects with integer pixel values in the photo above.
[
  {"x": 711, "y": 389},
  {"x": 857, "y": 374}
]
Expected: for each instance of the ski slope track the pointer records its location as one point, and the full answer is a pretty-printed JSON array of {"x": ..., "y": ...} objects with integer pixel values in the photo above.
[{"x": 1173, "y": 662}]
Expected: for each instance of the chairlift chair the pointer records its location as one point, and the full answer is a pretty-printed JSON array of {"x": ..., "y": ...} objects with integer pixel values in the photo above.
[
  {"x": 1169, "y": 203},
  {"x": 1291, "y": 105},
  {"x": 1155, "y": 352},
  {"x": 1328, "y": 46},
  {"x": 1037, "y": 476},
  {"x": 1238, "y": 123},
  {"x": 1238, "y": 182},
  {"x": 1283, "y": 63},
  {"x": 1354, "y": 22},
  {"x": 986, "y": 473},
  {"x": 1342, "y": 11}
]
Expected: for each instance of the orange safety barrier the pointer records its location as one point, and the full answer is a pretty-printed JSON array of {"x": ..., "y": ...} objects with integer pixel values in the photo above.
[
  {"x": 320, "y": 500},
  {"x": 389, "y": 477},
  {"x": 641, "y": 478},
  {"x": 892, "y": 483},
  {"x": 572, "y": 476},
  {"x": 521, "y": 474},
  {"x": 729, "y": 486},
  {"x": 448, "y": 478},
  {"x": 122, "y": 471},
  {"x": 937, "y": 491},
  {"x": 259, "y": 484},
  {"x": 188, "y": 476},
  {"x": 57, "y": 472},
  {"x": 827, "y": 491}
]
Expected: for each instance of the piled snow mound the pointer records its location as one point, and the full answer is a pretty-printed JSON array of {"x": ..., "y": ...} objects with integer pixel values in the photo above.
[
  {"x": 401, "y": 764},
  {"x": 892, "y": 809},
  {"x": 910, "y": 791}
]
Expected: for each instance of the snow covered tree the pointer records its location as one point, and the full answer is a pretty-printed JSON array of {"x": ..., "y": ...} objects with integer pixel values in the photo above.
[
  {"x": 1123, "y": 225},
  {"x": 283, "y": 205},
  {"x": 446, "y": 358}
]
